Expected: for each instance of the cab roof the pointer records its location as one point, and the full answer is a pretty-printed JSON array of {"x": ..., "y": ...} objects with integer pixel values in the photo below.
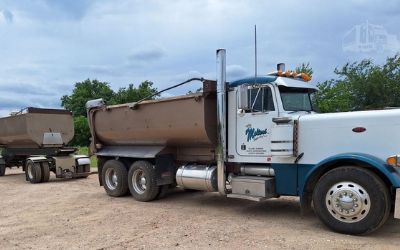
[{"x": 267, "y": 79}]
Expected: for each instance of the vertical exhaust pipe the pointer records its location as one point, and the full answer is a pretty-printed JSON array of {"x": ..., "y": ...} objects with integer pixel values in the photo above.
[{"x": 221, "y": 119}]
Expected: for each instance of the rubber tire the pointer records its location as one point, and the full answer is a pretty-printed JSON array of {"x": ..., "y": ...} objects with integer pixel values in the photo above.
[
  {"x": 163, "y": 190},
  {"x": 122, "y": 176},
  {"x": 2, "y": 170},
  {"x": 375, "y": 187},
  {"x": 36, "y": 172},
  {"x": 152, "y": 190},
  {"x": 45, "y": 167}
]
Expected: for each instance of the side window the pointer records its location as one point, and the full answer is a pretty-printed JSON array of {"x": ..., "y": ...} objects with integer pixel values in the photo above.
[{"x": 260, "y": 100}]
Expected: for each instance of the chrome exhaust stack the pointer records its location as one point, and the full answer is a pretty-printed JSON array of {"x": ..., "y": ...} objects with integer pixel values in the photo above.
[{"x": 221, "y": 120}]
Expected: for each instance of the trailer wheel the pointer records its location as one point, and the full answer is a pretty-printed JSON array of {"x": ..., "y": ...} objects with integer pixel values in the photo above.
[
  {"x": 352, "y": 200},
  {"x": 33, "y": 172},
  {"x": 142, "y": 181},
  {"x": 2, "y": 169},
  {"x": 45, "y": 171},
  {"x": 114, "y": 177}
]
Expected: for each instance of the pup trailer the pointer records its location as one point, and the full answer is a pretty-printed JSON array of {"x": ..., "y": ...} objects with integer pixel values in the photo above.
[
  {"x": 36, "y": 139},
  {"x": 255, "y": 138}
]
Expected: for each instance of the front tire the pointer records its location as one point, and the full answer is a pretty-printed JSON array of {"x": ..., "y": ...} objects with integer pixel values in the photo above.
[
  {"x": 351, "y": 200},
  {"x": 114, "y": 178},
  {"x": 142, "y": 181}
]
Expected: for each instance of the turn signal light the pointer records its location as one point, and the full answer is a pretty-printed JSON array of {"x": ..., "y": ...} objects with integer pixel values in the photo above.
[{"x": 392, "y": 161}]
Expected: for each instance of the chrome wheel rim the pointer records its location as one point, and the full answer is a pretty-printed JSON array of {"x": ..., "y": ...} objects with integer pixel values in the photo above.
[
  {"x": 29, "y": 170},
  {"x": 348, "y": 202},
  {"x": 111, "y": 179},
  {"x": 139, "y": 181}
]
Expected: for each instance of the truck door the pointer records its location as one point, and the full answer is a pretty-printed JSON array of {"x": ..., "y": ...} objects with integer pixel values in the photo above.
[{"x": 253, "y": 126}]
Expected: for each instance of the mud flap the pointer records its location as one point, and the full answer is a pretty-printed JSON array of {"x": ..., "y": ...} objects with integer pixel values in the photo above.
[
  {"x": 397, "y": 204},
  {"x": 165, "y": 169}
]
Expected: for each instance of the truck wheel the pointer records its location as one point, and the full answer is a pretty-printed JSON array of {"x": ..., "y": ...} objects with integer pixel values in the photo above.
[
  {"x": 163, "y": 190},
  {"x": 2, "y": 170},
  {"x": 45, "y": 171},
  {"x": 33, "y": 172},
  {"x": 142, "y": 181},
  {"x": 351, "y": 200},
  {"x": 114, "y": 177}
]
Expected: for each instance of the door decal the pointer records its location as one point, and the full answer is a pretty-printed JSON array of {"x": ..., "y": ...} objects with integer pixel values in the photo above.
[{"x": 253, "y": 134}]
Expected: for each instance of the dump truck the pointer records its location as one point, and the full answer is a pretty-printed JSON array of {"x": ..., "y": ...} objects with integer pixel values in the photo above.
[
  {"x": 255, "y": 138},
  {"x": 35, "y": 139}
]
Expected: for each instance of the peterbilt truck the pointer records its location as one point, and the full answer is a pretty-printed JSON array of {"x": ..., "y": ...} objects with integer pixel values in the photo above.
[
  {"x": 255, "y": 138},
  {"x": 35, "y": 139}
]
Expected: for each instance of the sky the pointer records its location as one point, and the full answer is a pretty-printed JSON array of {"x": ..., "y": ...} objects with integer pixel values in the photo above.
[{"x": 46, "y": 46}]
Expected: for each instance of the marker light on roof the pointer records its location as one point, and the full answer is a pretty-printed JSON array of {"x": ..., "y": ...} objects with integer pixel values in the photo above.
[{"x": 291, "y": 74}]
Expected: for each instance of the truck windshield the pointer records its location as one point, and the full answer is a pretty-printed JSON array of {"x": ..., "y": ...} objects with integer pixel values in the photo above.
[{"x": 295, "y": 99}]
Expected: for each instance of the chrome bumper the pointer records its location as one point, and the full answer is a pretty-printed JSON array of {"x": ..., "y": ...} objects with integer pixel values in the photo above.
[{"x": 397, "y": 204}]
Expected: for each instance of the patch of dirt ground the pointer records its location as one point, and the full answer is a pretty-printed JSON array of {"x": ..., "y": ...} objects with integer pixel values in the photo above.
[{"x": 77, "y": 214}]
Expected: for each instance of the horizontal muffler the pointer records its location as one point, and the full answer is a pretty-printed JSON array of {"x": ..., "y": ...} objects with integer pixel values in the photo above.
[
  {"x": 257, "y": 170},
  {"x": 197, "y": 177}
]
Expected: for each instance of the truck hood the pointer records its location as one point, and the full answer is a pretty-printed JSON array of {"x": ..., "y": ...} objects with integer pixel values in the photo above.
[
  {"x": 369, "y": 132},
  {"x": 358, "y": 118}
]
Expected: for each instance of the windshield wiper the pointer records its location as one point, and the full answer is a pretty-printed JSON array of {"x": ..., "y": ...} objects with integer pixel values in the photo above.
[{"x": 295, "y": 111}]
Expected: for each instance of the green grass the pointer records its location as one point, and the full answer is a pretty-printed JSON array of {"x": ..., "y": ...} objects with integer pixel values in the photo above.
[{"x": 85, "y": 151}]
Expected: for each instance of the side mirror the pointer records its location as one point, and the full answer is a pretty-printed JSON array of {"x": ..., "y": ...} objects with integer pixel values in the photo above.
[{"x": 243, "y": 99}]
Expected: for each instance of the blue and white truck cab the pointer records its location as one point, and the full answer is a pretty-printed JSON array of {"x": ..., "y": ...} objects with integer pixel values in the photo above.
[
  {"x": 254, "y": 138},
  {"x": 346, "y": 164}
]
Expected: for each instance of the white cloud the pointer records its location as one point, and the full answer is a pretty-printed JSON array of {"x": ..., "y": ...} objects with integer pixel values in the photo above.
[{"x": 53, "y": 44}]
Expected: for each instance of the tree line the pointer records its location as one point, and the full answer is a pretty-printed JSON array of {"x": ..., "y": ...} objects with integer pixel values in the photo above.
[
  {"x": 94, "y": 89},
  {"x": 361, "y": 85}
]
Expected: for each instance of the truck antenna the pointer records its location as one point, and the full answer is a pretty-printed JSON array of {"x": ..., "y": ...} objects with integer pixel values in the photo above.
[{"x": 255, "y": 54}]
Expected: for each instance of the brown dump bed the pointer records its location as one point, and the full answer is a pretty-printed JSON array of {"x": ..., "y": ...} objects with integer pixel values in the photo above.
[
  {"x": 188, "y": 120},
  {"x": 27, "y": 130}
]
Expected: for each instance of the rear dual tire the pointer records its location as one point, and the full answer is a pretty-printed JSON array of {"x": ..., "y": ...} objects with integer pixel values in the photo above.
[
  {"x": 2, "y": 170},
  {"x": 45, "y": 167},
  {"x": 115, "y": 178},
  {"x": 37, "y": 172},
  {"x": 140, "y": 180},
  {"x": 33, "y": 172}
]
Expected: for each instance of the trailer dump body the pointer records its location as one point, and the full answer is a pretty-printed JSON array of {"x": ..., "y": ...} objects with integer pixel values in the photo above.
[
  {"x": 27, "y": 130},
  {"x": 36, "y": 141},
  {"x": 184, "y": 125}
]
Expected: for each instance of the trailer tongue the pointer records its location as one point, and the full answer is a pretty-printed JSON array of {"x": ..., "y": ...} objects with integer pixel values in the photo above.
[{"x": 35, "y": 140}]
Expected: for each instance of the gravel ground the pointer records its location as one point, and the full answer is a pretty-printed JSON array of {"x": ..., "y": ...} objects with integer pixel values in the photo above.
[{"x": 77, "y": 214}]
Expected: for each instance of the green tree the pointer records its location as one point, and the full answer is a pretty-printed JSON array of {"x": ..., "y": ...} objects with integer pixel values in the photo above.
[
  {"x": 82, "y": 132},
  {"x": 333, "y": 97},
  {"x": 305, "y": 68},
  {"x": 362, "y": 86},
  {"x": 132, "y": 94},
  {"x": 85, "y": 91},
  {"x": 94, "y": 89}
]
